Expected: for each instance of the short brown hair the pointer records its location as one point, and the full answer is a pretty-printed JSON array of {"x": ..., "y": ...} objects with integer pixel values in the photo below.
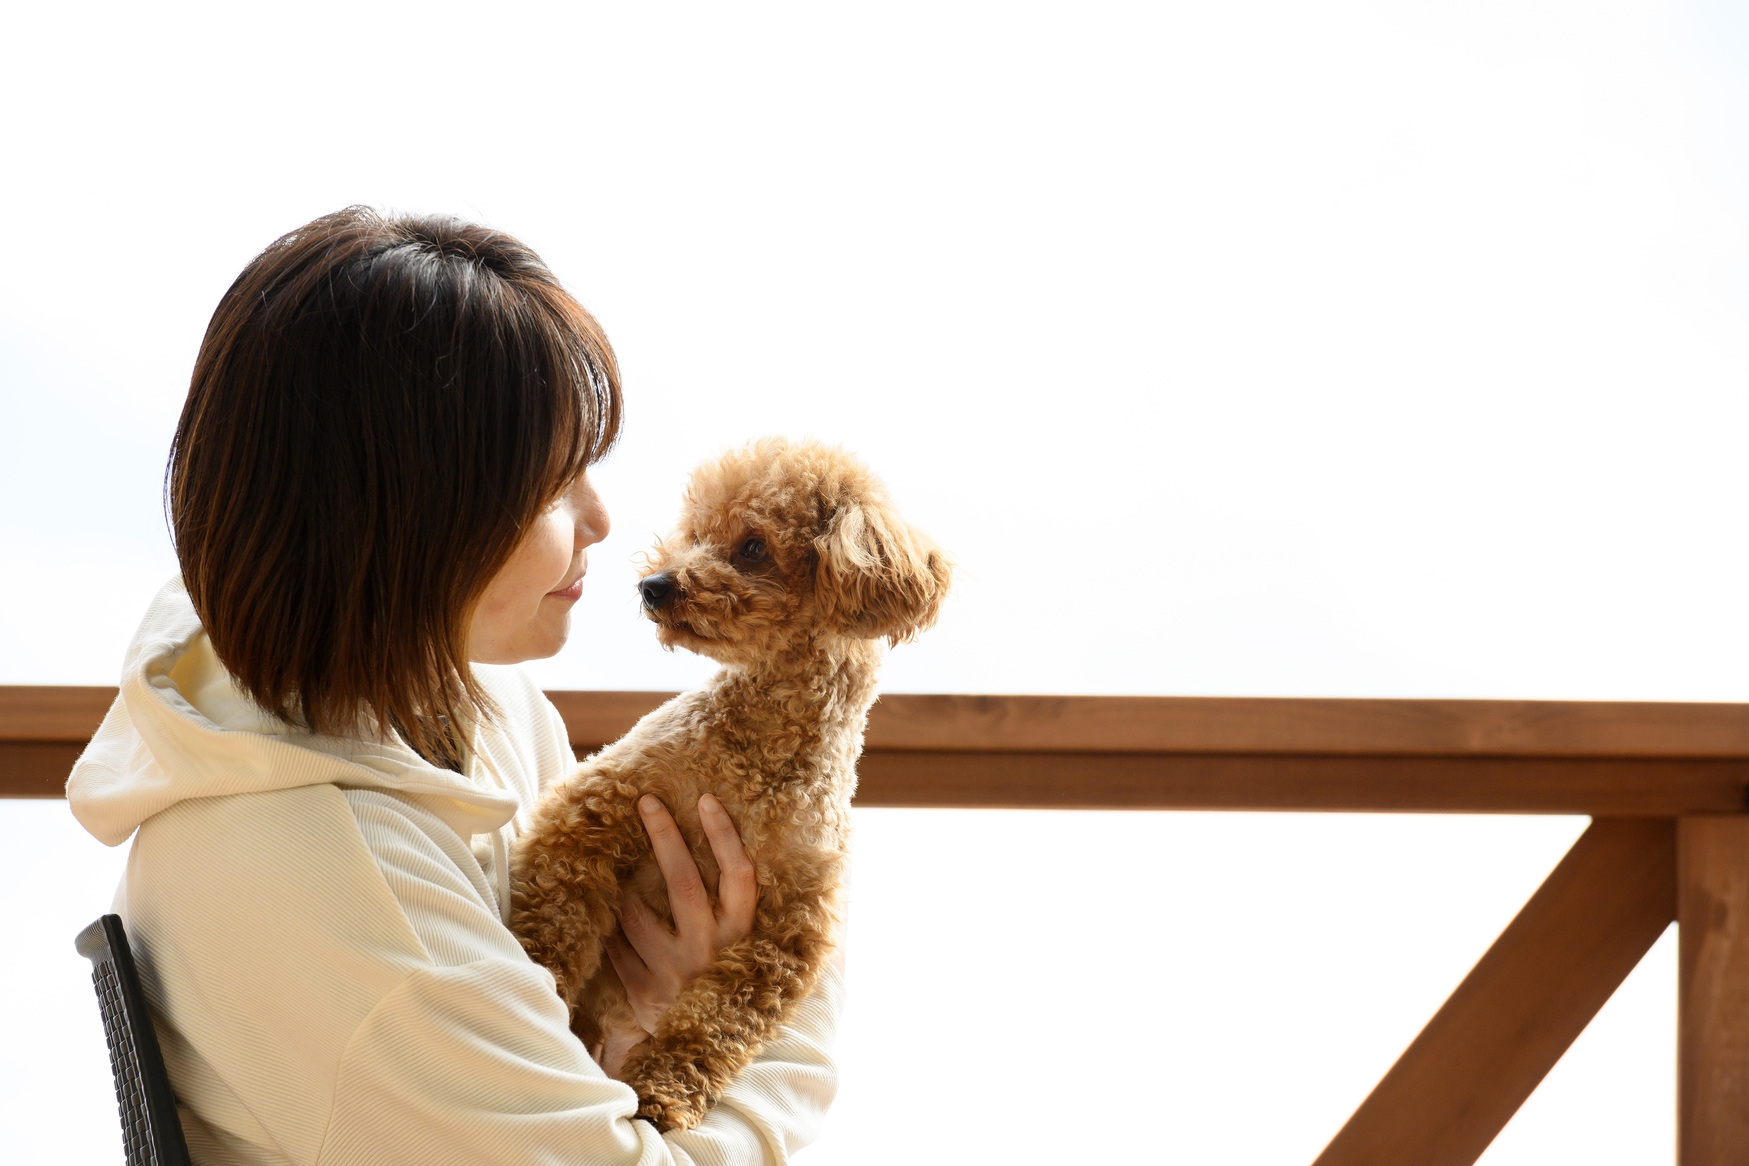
[{"x": 381, "y": 406}]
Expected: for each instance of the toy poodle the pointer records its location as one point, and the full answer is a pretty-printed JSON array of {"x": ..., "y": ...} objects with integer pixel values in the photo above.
[{"x": 789, "y": 568}]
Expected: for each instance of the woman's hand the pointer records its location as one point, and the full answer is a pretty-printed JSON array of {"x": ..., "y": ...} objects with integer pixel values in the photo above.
[{"x": 654, "y": 963}]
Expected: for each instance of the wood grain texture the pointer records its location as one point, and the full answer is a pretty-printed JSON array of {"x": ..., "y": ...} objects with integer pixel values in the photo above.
[
  {"x": 1523, "y": 1004},
  {"x": 1438, "y": 728},
  {"x": 1179, "y": 724},
  {"x": 1201, "y": 753},
  {"x": 36, "y": 769},
  {"x": 1140, "y": 724},
  {"x": 45, "y": 713},
  {"x": 1712, "y": 1127},
  {"x": 1137, "y": 724},
  {"x": 1138, "y": 781}
]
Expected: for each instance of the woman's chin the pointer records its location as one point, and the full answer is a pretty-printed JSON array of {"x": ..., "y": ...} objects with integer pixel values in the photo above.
[
  {"x": 553, "y": 642},
  {"x": 542, "y": 639}
]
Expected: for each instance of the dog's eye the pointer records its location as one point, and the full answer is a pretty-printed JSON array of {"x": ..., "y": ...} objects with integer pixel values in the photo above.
[{"x": 753, "y": 550}]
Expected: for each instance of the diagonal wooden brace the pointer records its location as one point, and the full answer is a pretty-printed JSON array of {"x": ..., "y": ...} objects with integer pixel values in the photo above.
[{"x": 1489, "y": 1046}]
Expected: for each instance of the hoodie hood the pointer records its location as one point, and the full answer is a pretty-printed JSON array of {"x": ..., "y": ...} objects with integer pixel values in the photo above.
[{"x": 180, "y": 728}]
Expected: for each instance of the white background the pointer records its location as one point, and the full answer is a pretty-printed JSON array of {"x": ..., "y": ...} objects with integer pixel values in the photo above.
[{"x": 1332, "y": 349}]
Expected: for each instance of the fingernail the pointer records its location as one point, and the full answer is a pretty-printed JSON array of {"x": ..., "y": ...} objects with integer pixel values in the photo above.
[
  {"x": 649, "y": 803},
  {"x": 710, "y": 804}
]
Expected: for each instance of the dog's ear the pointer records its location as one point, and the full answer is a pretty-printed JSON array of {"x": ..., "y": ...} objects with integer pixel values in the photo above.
[{"x": 877, "y": 575}]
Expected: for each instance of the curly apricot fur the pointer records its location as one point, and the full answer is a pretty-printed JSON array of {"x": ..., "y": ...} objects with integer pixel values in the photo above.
[{"x": 775, "y": 735}]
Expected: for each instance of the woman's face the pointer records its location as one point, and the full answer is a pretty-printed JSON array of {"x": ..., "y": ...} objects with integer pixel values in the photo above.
[{"x": 525, "y": 611}]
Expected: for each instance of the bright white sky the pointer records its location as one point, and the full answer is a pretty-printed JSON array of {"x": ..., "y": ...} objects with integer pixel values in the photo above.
[{"x": 1332, "y": 349}]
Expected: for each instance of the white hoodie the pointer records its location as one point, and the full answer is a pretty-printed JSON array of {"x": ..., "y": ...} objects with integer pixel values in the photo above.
[{"x": 318, "y": 923}]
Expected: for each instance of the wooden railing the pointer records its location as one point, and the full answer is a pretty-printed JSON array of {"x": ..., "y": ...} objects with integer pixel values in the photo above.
[{"x": 1667, "y": 786}]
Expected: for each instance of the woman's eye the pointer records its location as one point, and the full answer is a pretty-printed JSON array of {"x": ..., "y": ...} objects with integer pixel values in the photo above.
[{"x": 753, "y": 550}]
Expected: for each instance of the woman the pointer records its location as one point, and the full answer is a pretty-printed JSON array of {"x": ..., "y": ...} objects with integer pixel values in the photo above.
[{"x": 379, "y": 495}]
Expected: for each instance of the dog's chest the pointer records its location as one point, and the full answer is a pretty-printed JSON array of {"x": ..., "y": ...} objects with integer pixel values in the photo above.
[
  {"x": 780, "y": 835},
  {"x": 785, "y": 780}
]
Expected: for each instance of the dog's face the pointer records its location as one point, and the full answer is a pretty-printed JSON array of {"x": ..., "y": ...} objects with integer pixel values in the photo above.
[{"x": 783, "y": 541}]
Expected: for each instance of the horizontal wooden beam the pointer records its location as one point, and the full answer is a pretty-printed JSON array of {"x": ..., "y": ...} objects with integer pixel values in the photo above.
[
  {"x": 36, "y": 769},
  {"x": 1197, "y": 724},
  {"x": 60, "y": 713},
  {"x": 1140, "y": 724},
  {"x": 1131, "y": 781},
  {"x": 1490, "y": 1045},
  {"x": 1142, "y": 781},
  {"x": 1202, "y": 753}
]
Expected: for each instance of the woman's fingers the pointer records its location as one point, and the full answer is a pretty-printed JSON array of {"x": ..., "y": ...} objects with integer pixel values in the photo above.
[
  {"x": 686, "y": 894},
  {"x": 641, "y": 930},
  {"x": 737, "y": 885},
  {"x": 655, "y": 963},
  {"x": 633, "y": 972},
  {"x": 647, "y": 1000}
]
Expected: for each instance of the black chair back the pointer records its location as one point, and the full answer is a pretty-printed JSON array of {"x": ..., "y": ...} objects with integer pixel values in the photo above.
[{"x": 150, "y": 1130}]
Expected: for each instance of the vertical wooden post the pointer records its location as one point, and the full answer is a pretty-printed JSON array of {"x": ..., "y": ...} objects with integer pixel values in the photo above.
[{"x": 1712, "y": 859}]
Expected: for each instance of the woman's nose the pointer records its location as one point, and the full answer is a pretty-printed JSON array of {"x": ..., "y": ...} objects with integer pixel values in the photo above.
[{"x": 592, "y": 520}]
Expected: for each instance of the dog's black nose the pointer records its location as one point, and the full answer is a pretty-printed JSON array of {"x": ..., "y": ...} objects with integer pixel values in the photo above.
[{"x": 656, "y": 590}]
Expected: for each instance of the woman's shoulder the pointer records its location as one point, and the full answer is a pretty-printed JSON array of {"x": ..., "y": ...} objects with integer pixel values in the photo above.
[
  {"x": 527, "y": 738},
  {"x": 366, "y": 885}
]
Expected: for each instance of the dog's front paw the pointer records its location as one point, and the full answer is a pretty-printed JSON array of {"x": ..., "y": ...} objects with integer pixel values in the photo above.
[
  {"x": 671, "y": 1113},
  {"x": 672, "y": 1096}
]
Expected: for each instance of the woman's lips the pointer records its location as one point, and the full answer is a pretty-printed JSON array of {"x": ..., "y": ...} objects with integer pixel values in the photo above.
[{"x": 574, "y": 591}]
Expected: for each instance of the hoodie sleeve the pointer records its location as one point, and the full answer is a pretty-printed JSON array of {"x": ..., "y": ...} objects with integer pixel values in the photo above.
[{"x": 470, "y": 1059}]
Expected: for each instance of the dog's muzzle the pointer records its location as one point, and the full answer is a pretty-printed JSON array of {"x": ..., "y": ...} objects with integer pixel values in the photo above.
[{"x": 657, "y": 590}]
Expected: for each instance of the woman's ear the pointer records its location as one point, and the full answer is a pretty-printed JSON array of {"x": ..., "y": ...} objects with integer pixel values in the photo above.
[{"x": 879, "y": 576}]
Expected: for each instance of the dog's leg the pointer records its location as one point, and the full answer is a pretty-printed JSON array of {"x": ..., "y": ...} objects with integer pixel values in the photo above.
[
  {"x": 600, "y": 1009},
  {"x": 719, "y": 1022},
  {"x": 604, "y": 1015},
  {"x": 565, "y": 882}
]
